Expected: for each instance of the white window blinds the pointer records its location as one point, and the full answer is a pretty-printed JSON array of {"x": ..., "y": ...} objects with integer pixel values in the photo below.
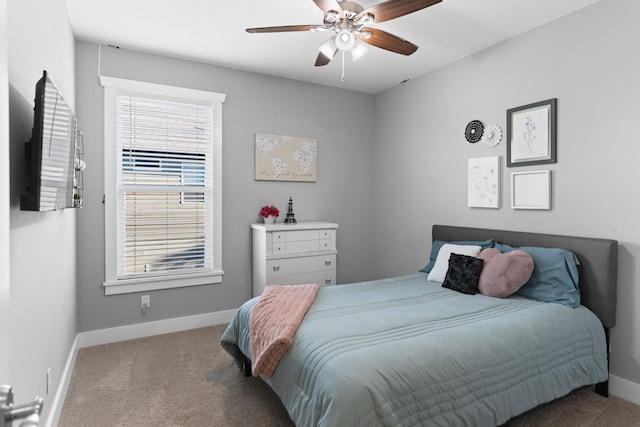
[{"x": 164, "y": 187}]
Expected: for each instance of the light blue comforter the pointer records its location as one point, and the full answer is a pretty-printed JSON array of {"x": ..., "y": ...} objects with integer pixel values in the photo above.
[{"x": 405, "y": 352}]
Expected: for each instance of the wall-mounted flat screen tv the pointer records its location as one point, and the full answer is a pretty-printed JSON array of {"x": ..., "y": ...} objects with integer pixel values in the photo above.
[{"x": 51, "y": 151}]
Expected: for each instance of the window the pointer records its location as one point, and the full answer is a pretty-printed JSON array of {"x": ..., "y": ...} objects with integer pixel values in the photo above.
[{"x": 162, "y": 186}]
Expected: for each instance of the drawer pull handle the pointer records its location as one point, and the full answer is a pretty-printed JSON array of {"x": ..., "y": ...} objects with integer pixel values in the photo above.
[
  {"x": 276, "y": 268},
  {"x": 327, "y": 262},
  {"x": 327, "y": 281}
]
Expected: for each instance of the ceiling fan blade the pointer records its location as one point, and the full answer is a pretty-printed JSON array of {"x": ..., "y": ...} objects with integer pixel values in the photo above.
[
  {"x": 327, "y": 5},
  {"x": 322, "y": 59},
  {"x": 286, "y": 28},
  {"x": 392, "y": 9},
  {"x": 388, "y": 41}
]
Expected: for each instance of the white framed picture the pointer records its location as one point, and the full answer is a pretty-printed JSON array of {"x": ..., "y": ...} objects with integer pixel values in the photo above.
[
  {"x": 483, "y": 180},
  {"x": 531, "y": 190}
]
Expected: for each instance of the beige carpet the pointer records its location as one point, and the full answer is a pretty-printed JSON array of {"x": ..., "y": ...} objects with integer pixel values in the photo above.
[{"x": 186, "y": 379}]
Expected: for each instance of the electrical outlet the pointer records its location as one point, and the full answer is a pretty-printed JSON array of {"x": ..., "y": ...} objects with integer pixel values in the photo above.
[
  {"x": 48, "y": 379},
  {"x": 145, "y": 302}
]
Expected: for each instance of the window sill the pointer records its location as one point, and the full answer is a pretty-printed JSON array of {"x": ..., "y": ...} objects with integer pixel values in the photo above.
[{"x": 127, "y": 286}]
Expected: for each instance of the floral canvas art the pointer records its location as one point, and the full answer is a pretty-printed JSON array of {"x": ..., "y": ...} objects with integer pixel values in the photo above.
[
  {"x": 285, "y": 158},
  {"x": 484, "y": 182}
]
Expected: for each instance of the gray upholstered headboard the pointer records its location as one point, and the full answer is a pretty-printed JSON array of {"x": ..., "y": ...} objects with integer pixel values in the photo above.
[{"x": 598, "y": 261}]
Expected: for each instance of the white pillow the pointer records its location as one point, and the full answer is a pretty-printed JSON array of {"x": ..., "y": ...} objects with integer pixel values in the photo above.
[{"x": 439, "y": 270}]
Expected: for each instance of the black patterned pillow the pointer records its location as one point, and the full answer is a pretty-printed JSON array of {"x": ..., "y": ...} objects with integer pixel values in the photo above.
[{"x": 463, "y": 273}]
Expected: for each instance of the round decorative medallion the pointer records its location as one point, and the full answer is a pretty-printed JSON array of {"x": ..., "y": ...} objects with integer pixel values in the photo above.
[
  {"x": 492, "y": 136},
  {"x": 474, "y": 130}
]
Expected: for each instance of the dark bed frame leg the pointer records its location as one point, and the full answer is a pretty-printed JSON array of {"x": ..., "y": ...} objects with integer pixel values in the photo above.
[
  {"x": 246, "y": 364},
  {"x": 603, "y": 388}
]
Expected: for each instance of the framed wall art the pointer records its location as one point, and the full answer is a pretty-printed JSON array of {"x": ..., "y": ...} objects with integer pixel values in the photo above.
[
  {"x": 531, "y": 134},
  {"x": 285, "y": 158},
  {"x": 483, "y": 178},
  {"x": 531, "y": 190}
]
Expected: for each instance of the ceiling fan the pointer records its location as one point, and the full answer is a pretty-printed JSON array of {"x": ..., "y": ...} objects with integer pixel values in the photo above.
[{"x": 350, "y": 23}]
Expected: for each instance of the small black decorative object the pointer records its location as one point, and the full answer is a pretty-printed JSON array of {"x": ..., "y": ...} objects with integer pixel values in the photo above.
[
  {"x": 291, "y": 218},
  {"x": 474, "y": 130}
]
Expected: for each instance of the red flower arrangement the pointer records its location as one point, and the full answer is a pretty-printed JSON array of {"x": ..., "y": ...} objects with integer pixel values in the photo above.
[{"x": 269, "y": 211}]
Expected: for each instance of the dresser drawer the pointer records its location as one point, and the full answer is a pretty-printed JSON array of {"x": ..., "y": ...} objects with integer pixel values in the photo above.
[
  {"x": 327, "y": 244},
  {"x": 299, "y": 243},
  {"x": 322, "y": 278},
  {"x": 296, "y": 247},
  {"x": 294, "y": 236},
  {"x": 278, "y": 236},
  {"x": 279, "y": 267},
  {"x": 327, "y": 234}
]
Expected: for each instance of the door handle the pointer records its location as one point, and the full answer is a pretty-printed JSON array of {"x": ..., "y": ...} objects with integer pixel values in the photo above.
[{"x": 9, "y": 412}]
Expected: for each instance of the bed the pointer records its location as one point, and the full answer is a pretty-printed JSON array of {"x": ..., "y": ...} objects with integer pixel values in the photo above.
[{"x": 407, "y": 351}]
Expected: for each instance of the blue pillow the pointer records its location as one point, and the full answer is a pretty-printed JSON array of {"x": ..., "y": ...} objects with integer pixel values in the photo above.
[
  {"x": 555, "y": 275},
  {"x": 437, "y": 244}
]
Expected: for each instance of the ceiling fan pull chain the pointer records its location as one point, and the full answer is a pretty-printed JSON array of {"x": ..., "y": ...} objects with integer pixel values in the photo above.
[{"x": 343, "y": 66}]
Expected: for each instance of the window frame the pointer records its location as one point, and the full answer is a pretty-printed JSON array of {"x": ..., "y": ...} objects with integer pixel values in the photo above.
[{"x": 112, "y": 87}]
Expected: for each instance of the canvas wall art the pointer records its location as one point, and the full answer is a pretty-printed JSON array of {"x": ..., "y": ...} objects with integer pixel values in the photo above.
[
  {"x": 285, "y": 158},
  {"x": 484, "y": 182}
]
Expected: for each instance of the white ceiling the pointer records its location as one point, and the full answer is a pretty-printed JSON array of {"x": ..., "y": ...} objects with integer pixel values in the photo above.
[{"x": 213, "y": 31}]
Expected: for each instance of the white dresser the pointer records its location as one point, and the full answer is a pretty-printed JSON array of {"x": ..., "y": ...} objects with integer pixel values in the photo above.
[{"x": 293, "y": 254}]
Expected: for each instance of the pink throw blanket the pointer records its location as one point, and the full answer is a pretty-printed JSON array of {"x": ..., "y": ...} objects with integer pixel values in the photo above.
[{"x": 274, "y": 321}]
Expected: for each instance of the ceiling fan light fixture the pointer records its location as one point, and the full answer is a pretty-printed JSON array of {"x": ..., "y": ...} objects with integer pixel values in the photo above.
[
  {"x": 358, "y": 50},
  {"x": 345, "y": 40},
  {"x": 329, "y": 48}
]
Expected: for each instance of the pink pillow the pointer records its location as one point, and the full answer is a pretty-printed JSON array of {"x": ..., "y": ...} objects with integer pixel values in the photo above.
[{"x": 504, "y": 273}]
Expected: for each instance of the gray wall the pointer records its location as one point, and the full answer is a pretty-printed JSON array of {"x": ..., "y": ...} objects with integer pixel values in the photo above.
[
  {"x": 342, "y": 122},
  {"x": 587, "y": 61},
  {"x": 5, "y": 319},
  {"x": 42, "y": 244}
]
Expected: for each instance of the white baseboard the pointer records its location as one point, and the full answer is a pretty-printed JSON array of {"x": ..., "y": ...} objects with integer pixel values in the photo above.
[
  {"x": 61, "y": 392},
  {"x": 123, "y": 333},
  {"x": 624, "y": 389},
  {"x": 148, "y": 329}
]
